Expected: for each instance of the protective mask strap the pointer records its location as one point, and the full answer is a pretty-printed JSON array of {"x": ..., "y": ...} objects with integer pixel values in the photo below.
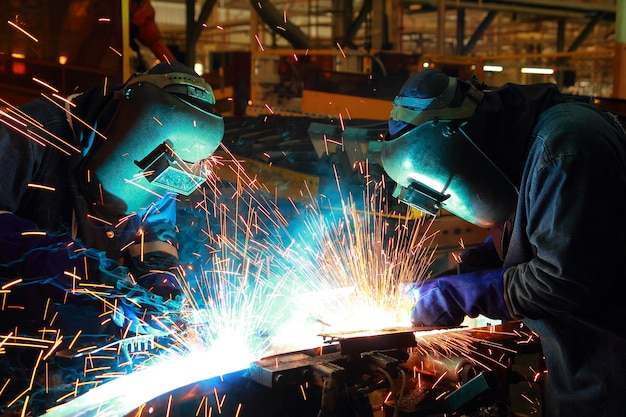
[
  {"x": 179, "y": 83},
  {"x": 417, "y": 117}
]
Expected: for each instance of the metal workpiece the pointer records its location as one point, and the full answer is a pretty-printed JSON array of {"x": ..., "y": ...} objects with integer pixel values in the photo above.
[
  {"x": 383, "y": 374},
  {"x": 297, "y": 367},
  {"x": 452, "y": 369}
]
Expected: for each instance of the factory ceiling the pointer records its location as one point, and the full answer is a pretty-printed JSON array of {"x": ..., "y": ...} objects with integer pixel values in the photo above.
[{"x": 462, "y": 27}]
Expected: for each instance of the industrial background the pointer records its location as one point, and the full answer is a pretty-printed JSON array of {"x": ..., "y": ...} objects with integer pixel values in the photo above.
[{"x": 289, "y": 76}]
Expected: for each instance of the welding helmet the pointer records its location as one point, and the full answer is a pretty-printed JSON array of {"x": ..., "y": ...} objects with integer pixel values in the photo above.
[
  {"x": 434, "y": 162},
  {"x": 158, "y": 137}
]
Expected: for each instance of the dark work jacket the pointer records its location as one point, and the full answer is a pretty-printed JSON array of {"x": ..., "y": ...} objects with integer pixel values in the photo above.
[
  {"x": 566, "y": 275},
  {"x": 44, "y": 160},
  {"x": 47, "y": 152}
]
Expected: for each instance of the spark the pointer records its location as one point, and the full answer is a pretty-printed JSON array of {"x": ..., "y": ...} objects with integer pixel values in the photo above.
[
  {"x": 169, "y": 406},
  {"x": 5, "y": 385},
  {"x": 23, "y": 31},
  {"x": 11, "y": 284},
  {"x": 45, "y": 84},
  {"x": 100, "y": 220},
  {"x": 78, "y": 119},
  {"x": 359, "y": 271},
  {"x": 217, "y": 401},
  {"x": 118, "y": 53},
  {"x": 71, "y": 345},
  {"x": 159, "y": 196},
  {"x": 22, "y": 119},
  {"x": 258, "y": 41},
  {"x": 25, "y": 406},
  {"x": 64, "y": 100},
  {"x": 341, "y": 49},
  {"x": 41, "y": 186},
  {"x": 27, "y": 134},
  {"x": 34, "y": 233},
  {"x": 56, "y": 344},
  {"x": 16, "y": 399},
  {"x": 438, "y": 397}
]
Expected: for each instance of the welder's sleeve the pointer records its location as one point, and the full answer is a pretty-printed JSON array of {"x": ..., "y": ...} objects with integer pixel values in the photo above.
[
  {"x": 152, "y": 294},
  {"x": 152, "y": 258},
  {"x": 445, "y": 301},
  {"x": 571, "y": 222},
  {"x": 37, "y": 256},
  {"x": 483, "y": 256}
]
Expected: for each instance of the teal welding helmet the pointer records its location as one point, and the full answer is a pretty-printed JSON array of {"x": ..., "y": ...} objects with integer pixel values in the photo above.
[
  {"x": 433, "y": 161},
  {"x": 157, "y": 140}
]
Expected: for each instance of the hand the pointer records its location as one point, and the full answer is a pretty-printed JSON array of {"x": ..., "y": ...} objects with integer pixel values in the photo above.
[
  {"x": 150, "y": 306},
  {"x": 445, "y": 301}
]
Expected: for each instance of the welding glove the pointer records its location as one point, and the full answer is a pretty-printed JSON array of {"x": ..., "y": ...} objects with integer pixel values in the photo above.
[
  {"x": 445, "y": 301},
  {"x": 150, "y": 305},
  {"x": 152, "y": 293},
  {"x": 152, "y": 296}
]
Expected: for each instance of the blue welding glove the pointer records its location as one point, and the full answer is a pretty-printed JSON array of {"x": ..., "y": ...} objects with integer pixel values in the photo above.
[
  {"x": 152, "y": 298},
  {"x": 149, "y": 306},
  {"x": 445, "y": 301}
]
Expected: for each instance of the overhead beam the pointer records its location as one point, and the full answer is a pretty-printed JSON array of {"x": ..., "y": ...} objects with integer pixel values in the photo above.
[
  {"x": 585, "y": 32},
  {"x": 193, "y": 27},
  {"x": 460, "y": 30},
  {"x": 479, "y": 32},
  {"x": 542, "y": 11},
  {"x": 562, "y": 5},
  {"x": 361, "y": 18}
]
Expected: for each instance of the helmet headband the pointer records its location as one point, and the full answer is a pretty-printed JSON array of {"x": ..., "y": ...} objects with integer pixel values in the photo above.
[{"x": 436, "y": 108}]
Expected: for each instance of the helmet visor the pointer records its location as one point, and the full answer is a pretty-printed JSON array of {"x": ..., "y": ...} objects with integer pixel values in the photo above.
[
  {"x": 436, "y": 165},
  {"x": 154, "y": 142},
  {"x": 163, "y": 168}
]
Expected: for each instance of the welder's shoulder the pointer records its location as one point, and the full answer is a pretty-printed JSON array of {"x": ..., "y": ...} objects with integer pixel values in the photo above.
[
  {"x": 49, "y": 117},
  {"x": 577, "y": 129}
]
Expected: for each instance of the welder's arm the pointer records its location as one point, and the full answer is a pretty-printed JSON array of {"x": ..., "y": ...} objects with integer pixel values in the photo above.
[
  {"x": 445, "y": 301},
  {"x": 33, "y": 255},
  {"x": 152, "y": 258},
  {"x": 153, "y": 296},
  {"x": 575, "y": 220}
]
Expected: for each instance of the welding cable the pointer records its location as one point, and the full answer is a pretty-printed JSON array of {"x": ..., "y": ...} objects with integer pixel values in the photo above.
[
  {"x": 330, "y": 392},
  {"x": 392, "y": 387},
  {"x": 401, "y": 392}
]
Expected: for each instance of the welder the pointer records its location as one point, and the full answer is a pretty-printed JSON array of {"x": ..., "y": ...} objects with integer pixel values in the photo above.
[
  {"x": 88, "y": 204},
  {"x": 546, "y": 173}
]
